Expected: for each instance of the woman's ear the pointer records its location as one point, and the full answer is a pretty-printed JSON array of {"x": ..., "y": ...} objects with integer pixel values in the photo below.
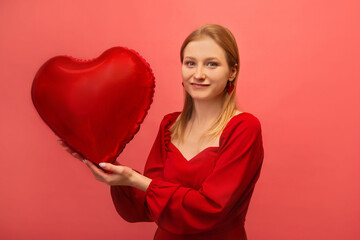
[{"x": 233, "y": 73}]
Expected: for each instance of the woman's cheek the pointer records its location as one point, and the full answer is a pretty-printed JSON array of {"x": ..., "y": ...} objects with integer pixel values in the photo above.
[{"x": 186, "y": 74}]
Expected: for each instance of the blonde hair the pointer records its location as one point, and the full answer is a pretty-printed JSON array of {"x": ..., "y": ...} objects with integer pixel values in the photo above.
[{"x": 225, "y": 39}]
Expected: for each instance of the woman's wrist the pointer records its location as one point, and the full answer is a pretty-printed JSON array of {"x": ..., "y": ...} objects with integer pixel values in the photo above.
[{"x": 139, "y": 181}]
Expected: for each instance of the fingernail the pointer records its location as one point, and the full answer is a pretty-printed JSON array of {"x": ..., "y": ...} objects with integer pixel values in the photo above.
[{"x": 102, "y": 164}]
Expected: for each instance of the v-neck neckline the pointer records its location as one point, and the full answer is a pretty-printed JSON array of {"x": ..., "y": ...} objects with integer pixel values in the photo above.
[
  {"x": 199, "y": 153},
  {"x": 210, "y": 147}
]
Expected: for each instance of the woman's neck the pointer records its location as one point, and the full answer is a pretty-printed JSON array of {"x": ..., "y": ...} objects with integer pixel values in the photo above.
[{"x": 206, "y": 112}]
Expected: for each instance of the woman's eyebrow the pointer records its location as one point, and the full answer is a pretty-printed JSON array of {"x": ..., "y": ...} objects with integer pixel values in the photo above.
[
  {"x": 212, "y": 58},
  {"x": 207, "y": 59}
]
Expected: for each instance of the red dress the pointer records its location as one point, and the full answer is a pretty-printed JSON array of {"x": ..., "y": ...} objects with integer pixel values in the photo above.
[{"x": 205, "y": 197}]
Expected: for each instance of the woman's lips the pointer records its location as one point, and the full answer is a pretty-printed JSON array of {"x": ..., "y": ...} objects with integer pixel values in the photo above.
[{"x": 198, "y": 85}]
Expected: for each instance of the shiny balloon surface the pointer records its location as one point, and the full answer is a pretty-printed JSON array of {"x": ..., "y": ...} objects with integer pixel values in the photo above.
[{"x": 95, "y": 106}]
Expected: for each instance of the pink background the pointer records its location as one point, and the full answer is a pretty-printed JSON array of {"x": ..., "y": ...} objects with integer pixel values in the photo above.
[{"x": 299, "y": 75}]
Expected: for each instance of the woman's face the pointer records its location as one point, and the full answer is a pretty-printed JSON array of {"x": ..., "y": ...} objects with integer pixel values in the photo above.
[{"x": 205, "y": 71}]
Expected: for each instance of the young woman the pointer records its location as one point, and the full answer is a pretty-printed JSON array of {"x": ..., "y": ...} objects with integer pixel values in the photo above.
[{"x": 203, "y": 166}]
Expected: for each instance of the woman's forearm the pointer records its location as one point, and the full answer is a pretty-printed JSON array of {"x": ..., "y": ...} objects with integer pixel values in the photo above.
[{"x": 139, "y": 181}]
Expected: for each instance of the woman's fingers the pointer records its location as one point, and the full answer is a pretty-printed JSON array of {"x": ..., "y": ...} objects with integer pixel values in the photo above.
[
  {"x": 78, "y": 156},
  {"x": 92, "y": 167},
  {"x": 60, "y": 142},
  {"x": 68, "y": 149},
  {"x": 64, "y": 145},
  {"x": 107, "y": 166},
  {"x": 122, "y": 170},
  {"x": 120, "y": 175},
  {"x": 99, "y": 174}
]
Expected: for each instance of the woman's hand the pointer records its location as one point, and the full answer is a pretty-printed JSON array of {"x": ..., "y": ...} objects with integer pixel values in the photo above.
[
  {"x": 68, "y": 149},
  {"x": 120, "y": 175}
]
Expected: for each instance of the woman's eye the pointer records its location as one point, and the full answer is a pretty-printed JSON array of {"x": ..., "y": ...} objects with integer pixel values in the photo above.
[
  {"x": 190, "y": 63},
  {"x": 212, "y": 64}
]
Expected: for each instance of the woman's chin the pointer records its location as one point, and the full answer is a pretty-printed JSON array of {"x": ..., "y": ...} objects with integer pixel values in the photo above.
[{"x": 206, "y": 97}]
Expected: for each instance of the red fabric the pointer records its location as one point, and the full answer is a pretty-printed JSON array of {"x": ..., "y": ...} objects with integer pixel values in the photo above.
[{"x": 205, "y": 197}]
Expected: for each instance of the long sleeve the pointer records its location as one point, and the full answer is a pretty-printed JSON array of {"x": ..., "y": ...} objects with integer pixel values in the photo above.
[
  {"x": 183, "y": 210},
  {"x": 130, "y": 202}
]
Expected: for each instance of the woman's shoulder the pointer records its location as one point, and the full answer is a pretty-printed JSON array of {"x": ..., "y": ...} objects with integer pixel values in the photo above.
[
  {"x": 165, "y": 124},
  {"x": 169, "y": 118},
  {"x": 247, "y": 117},
  {"x": 241, "y": 121},
  {"x": 241, "y": 126},
  {"x": 172, "y": 115}
]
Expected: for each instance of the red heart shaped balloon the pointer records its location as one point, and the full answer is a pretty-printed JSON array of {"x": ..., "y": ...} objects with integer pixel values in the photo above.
[{"x": 96, "y": 106}]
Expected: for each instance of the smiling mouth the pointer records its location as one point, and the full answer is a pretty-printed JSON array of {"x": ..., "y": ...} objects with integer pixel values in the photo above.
[{"x": 199, "y": 85}]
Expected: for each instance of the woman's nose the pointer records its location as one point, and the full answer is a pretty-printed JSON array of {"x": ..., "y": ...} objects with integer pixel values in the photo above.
[{"x": 199, "y": 74}]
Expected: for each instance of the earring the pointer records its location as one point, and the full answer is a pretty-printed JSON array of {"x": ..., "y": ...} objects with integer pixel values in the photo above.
[{"x": 229, "y": 87}]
